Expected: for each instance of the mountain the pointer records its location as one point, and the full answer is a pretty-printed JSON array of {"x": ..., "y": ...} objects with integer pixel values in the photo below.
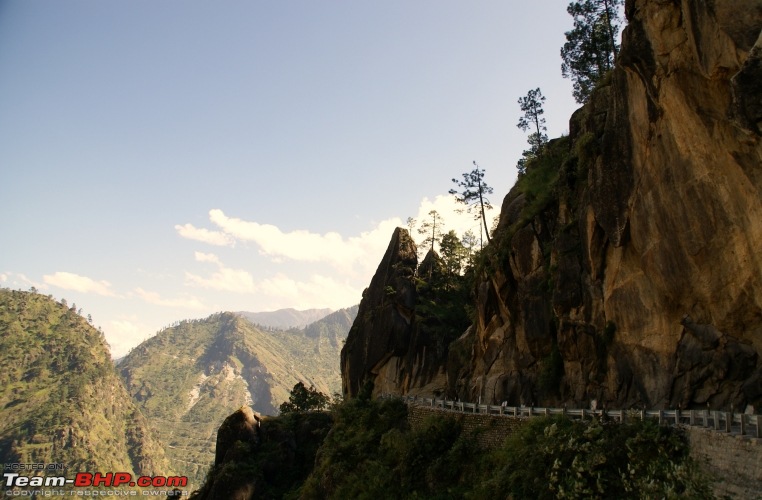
[
  {"x": 189, "y": 377},
  {"x": 333, "y": 326},
  {"x": 60, "y": 399},
  {"x": 283, "y": 319},
  {"x": 625, "y": 267}
]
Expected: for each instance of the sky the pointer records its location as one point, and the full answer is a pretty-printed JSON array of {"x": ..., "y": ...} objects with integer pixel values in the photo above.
[{"x": 165, "y": 160}]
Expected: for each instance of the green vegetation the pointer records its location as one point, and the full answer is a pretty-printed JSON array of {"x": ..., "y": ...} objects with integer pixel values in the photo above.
[
  {"x": 531, "y": 105},
  {"x": 372, "y": 451},
  {"x": 281, "y": 462},
  {"x": 432, "y": 229},
  {"x": 304, "y": 399},
  {"x": 60, "y": 399},
  {"x": 441, "y": 301},
  {"x": 560, "y": 458},
  {"x": 590, "y": 49},
  {"x": 190, "y": 376},
  {"x": 539, "y": 182}
]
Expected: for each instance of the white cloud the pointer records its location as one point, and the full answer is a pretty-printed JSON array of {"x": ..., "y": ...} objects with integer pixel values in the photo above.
[
  {"x": 206, "y": 257},
  {"x": 77, "y": 283},
  {"x": 204, "y": 235},
  {"x": 355, "y": 256},
  {"x": 454, "y": 215},
  {"x": 182, "y": 302},
  {"x": 20, "y": 280},
  {"x": 318, "y": 291},
  {"x": 353, "y": 259},
  {"x": 279, "y": 290},
  {"x": 124, "y": 333},
  {"x": 348, "y": 255},
  {"x": 298, "y": 245},
  {"x": 225, "y": 279}
]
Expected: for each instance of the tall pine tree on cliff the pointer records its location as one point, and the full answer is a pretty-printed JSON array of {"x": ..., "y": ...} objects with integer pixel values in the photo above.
[
  {"x": 590, "y": 49},
  {"x": 474, "y": 195},
  {"x": 531, "y": 105}
]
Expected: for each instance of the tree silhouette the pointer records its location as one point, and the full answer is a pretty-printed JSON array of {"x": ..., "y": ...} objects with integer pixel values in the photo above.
[
  {"x": 304, "y": 399},
  {"x": 434, "y": 226},
  {"x": 474, "y": 194},
  {"x": 452, "y": 252},
  {"x": 531, "y": 105},
  {"x": 590, "y": 49}
]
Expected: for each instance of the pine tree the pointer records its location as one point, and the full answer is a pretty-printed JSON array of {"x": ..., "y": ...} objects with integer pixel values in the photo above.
[
  {"x": 531, "y": 105},
  {"x": 451, "y": 250},
  {"x": 474, "y": 194},
  {"x": 432, "y": 229},
  {"x": 590, "y": 49}
]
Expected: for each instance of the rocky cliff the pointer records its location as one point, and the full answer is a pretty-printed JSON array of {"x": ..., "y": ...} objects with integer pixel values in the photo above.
[
  {"x": 407, "y": 317},
  {"x": 626, "y": 266}
]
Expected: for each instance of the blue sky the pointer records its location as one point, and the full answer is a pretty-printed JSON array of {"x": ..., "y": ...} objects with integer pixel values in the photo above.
[{"x": 166, "y": 160}]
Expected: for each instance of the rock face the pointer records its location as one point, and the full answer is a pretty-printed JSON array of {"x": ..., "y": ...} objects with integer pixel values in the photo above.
[
  {"x": 634, "y": 275},
  {"x": 387, "y": 345},
  {"x": 651, "y": 248}
]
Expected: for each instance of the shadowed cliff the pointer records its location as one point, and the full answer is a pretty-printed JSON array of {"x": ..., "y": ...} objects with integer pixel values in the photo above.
[{"x": 626, "y": 266}]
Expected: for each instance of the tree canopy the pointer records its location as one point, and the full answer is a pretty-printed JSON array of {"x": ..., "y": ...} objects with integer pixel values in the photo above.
[
  {"x": 304, "y": 399},
  {"x": 590, "y": 48}
]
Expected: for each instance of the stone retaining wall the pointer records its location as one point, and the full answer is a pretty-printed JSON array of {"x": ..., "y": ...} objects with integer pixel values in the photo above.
[
  {"x": 490, "y": 431},
  {"x": 735, "y": 462}
]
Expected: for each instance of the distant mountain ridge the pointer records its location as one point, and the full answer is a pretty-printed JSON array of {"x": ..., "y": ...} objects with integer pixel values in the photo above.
[
  {"x": 284, "y": 319},
  {"x": 189, "y": 377}
]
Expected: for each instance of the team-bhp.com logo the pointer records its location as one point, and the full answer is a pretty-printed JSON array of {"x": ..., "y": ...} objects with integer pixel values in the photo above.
[{"x": 89, "y": 480}]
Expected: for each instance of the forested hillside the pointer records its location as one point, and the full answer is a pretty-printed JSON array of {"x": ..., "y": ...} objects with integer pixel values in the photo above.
[
  {"x": 189, "y": 377},
  {"x": 60, "y": 399}
]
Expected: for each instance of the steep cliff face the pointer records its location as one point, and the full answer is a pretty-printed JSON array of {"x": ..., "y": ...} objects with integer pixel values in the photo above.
[
  {"x": 650, "y": 245},
  {"x": 626, "y": 266},
  {"x": 390, "y": 343}
]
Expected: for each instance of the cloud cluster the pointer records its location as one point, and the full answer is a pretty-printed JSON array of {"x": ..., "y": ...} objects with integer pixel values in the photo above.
[
  {"x": 182, "y": 302},
  {"x": 224, "y": 279},
  {"x": 316, "y": 290},
  {"x": 353, "y": 256},
  {"x": 20, "y": 280},
  {"x": 204, "y": 235},
  {"x": 78, "y": 283}
]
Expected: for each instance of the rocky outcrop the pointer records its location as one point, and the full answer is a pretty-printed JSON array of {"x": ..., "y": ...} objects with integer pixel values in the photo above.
[
  {"x": 656, "y": 215},
  {"x": 383, "y": 326},
  {"x": 626, "y": 266},
  {"x": 263, "y": 457},
  {"x": 389, "y": 345}
]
